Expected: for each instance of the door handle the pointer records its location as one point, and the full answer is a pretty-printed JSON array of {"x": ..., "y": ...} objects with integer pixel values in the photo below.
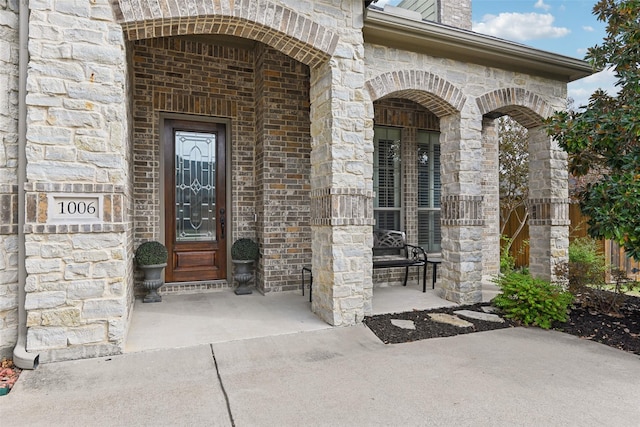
[{"x": 222, "y": 223}]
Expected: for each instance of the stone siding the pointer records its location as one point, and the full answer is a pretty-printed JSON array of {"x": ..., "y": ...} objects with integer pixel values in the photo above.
[
  {"x": 460, "y": 95},
  {"x": 456, "y": 13},
  {"x": 297, "y": 84},
  {"x": 78, "y": 272},
  {"x": 8, "y": 176}
]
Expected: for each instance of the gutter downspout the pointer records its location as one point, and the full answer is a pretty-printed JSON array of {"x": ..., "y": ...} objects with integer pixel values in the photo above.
[{"x": 21, "y": 357}]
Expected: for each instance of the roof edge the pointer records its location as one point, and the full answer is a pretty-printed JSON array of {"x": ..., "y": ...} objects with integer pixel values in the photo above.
[{"x": 454, "y": 43}]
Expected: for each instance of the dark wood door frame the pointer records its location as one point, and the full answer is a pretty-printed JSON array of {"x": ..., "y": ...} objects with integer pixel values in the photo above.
[{"x": 195, "y": 261}]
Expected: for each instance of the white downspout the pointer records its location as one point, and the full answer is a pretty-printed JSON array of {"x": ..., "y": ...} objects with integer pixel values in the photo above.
[{"x": 21, "y": 357}]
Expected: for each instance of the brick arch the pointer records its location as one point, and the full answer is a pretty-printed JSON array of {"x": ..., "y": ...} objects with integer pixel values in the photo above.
[
  {"x": 432, "y": 92},
  {"x": 523, "y": 106},
  {"x": 262, "y": 20}
]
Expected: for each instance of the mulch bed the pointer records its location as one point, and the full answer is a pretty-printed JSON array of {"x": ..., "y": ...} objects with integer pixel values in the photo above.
[
  {"x": 9, "y": 374},
  {"x": 619, "y": 330}
]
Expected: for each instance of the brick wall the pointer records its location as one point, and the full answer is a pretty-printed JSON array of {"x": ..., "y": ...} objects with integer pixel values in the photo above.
[
  {"x": 282, "y": 169},
  {"x": 266, "y": 96}
]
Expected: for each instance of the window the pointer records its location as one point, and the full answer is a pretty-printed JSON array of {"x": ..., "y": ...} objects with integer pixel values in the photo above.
[
  {"x": 429, "y": 235},
  {"x": 386, "y": 178}
]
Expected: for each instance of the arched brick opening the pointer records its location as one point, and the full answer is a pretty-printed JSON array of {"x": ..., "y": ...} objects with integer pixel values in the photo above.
[
  {"x": 460, "y": 208},
  {"x": 548, "y": 202},
  {"x": 429, "y": 90},
  {"x": 274, "y": 25},
  {"x": 523, "y": 106}
]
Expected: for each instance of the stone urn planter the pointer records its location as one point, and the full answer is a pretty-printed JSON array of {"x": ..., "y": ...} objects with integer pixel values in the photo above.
[
  {"x": 244, "y": 253},
  {"x": 151, "y": 258}
]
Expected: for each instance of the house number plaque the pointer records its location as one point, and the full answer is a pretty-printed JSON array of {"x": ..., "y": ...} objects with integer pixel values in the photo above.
[{"x": 74, "y": 208}]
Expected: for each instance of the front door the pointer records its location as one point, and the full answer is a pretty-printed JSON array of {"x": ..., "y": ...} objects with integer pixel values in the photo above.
[{"x": 195, "y": 211}]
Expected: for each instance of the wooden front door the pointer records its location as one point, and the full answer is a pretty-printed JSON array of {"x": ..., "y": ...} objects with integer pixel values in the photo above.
[{"x": 195, "y": 211}]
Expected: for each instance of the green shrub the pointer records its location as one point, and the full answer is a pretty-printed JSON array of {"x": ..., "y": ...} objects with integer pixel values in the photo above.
[
  {"x": 586, "y": 250},
  {"x": 507, "y": 261},
  {"x": 151, "y": 253},
  {"x": 245, "y": 249},
  {"x": 531, "y": 301}
]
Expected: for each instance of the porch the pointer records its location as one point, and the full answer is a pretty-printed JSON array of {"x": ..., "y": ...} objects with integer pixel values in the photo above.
[{"x": 221, "y": 316}]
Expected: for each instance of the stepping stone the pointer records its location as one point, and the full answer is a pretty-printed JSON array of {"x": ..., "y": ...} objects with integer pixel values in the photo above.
[
  {"x": 480, "y": 316},
  {"x": 450, "y": 320},
  {"x": 490, "y": 309},
  {"x": 404, "y": 324}
]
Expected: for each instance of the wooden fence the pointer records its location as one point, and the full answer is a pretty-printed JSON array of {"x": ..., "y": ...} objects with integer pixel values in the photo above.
[{"x": 614, "y": 255}]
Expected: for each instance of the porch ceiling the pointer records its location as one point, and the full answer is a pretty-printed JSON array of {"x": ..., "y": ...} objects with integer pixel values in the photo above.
[{"x": 449, "y": 42}]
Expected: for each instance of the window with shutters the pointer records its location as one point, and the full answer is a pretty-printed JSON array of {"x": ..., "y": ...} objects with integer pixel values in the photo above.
[
  {"x": 429, "y": 236},
  {"x": 387, "y": 179}
]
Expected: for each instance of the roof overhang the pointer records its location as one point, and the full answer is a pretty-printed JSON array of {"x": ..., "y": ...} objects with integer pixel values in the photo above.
[{"x": 466, "y": 46}]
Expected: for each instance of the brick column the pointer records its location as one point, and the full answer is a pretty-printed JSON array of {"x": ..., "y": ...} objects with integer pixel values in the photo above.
[
  {"x": 461, "y": 215},
  {"x": 342, "y": 190},
  {"x": 491, "y": 201},
  {"x": 548, "y": 205}
]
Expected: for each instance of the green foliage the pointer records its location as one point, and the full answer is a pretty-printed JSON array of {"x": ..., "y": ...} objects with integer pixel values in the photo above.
[
  {"x": 514, "y": 162},
  {"x": 602, "y": 137},
  {"x": 151, "y": 253},
  {"x": 586, "y": 267},
  {"x": 245, "y": 249},
  {"x": 586, "y": 278},
  {"x": 531, "y": 301},
  {"x": 585, "y": 250},
  {"x": 513, "y": 174},
  {"x": 507, "y": 261}
]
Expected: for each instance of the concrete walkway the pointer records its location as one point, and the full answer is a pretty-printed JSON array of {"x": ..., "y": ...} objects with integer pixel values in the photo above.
[
  {"x": 341, "y": 377},
  {"x": 221, "y": 316}
]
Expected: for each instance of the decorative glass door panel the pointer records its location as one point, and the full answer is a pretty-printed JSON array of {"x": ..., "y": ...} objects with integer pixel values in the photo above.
[
  {"x": 195, "y": 200},
  {"x": 195, "y": 186}
]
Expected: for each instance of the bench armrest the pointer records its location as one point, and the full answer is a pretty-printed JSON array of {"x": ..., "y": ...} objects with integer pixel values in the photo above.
[{"x": 416, "y": 253}]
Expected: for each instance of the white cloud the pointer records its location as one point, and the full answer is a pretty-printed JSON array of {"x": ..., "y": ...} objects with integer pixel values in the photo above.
[
  {"x": 588, "y": 28},
  {"x": 520, "y": 26},
  {"x": 582, "y": 89},
  {"x": 540, "y": 4}
]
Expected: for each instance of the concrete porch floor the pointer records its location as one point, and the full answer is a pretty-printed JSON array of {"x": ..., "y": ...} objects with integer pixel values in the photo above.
[{"x": 215, "y": 317}]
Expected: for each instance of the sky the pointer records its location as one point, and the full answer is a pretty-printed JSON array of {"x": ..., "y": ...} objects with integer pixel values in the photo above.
[{"x": 566, "y": 27}]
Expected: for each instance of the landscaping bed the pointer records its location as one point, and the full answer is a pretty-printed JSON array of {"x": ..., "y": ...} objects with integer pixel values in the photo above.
[{"x": 619, "y": 330}]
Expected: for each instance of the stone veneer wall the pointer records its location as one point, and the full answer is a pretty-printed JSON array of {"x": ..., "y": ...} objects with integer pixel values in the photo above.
[
  {"x": 491, "y": 202},
  {"x": 79, "y": 277},
  {"x": 411, "y": 117},
  {"x": 78, "y": 272},
  {"x": 481, "y": 90},
  {"x": 8, "y": 176},
  {"x": 456, "y": 13}
]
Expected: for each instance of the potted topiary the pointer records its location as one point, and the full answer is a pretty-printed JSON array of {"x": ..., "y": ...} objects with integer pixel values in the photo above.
[
  {"x": 151, "y": 257},
  {"x": 243, "y": 254}
]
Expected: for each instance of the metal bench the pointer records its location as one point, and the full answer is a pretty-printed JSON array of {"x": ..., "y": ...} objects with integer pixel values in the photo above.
[{"x": 390, "y": 250}]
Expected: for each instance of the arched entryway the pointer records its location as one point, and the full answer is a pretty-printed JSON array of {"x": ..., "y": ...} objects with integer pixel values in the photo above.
[
  {"x": 548, "y": 181},
  {"x": 248, "y": 75}
]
